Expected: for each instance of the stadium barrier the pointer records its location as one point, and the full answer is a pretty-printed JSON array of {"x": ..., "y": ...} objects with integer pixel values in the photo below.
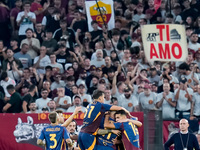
[{"x": 20, "y": 131}]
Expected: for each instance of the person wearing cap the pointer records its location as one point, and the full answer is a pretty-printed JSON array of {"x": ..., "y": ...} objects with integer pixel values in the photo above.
[
  {"x": 139, "y": 14},
  {"x": 183, "y": 96},
  {"x": 76, "y": 103},
  {"x": 166, "y": 102},
  {"x": 41, "y": 61},
  {"x": 85, "y": 98},
  {"x": 63, "y": 102},
  {"x": 147, "y": 99},
  {"x": 99, "y": 62},
  {"x": 44, "y": 100},
  {"x": 154, "y": 87},
  {"x": 153, "y": 76},
  {"x": 58, "y": 82},
  {"x": 101, "y": 85},
  {"x": 130, "y": 101}
]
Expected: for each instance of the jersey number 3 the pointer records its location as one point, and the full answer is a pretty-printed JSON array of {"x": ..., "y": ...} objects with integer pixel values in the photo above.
[
  {"x": 54, "y": 140},
  {"x": 88, "y": 114}
]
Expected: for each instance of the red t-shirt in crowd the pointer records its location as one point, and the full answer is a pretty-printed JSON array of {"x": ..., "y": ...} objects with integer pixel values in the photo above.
[{"x": 35, "y": 7}]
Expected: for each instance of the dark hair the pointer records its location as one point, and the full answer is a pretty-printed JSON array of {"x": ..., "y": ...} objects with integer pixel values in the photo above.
[
  {"x": 10, "y": 87},
  {"x": 26, "y": 2},
  {"x": 97, "y": 94},
  {"x": 24, "y": 44},
  {"x": 93, "y": 22},
  {"x": 32, "y": 101},
  {"x": 63, "y": 21},
  {"x": 121, "y": 112},
  {"x": 29, "y": 29},
  {"x": 76, "y": 124},
  {"x": 113, "y": 99},
  {"x": 184, "y": 66},
  {"x": 165, "y": 78},
  {"x": 4, "y": 75},
  {"x": 31, "y": 88},
  {"x": 53, "y": 117},
  {"x": 48, "y": 67},
  {"x": 27, "y": 69},
  {"x": 70, "y": 78},
  {"x": 59, "y": 111}
]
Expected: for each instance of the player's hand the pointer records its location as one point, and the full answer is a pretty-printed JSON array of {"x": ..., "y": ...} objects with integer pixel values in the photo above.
[
  {"x": 117, "y": 132},
  {"x": 69, "y": 142},
  {"x": 192, "y": 117},
  {"x": 78, "y": 109},
  {"x": 107, "y": 113}
]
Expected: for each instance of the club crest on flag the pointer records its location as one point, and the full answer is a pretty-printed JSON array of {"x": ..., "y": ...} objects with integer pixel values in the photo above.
[{"x": 101, "y": 9}]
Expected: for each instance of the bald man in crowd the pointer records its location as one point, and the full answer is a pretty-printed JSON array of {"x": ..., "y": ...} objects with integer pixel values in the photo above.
[{"x": 183, "y": 140}]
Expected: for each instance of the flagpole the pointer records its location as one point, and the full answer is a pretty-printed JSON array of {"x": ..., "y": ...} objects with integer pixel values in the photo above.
[
  {"x": 109, "y": 36},
  {"x": 170, "y": 7}
]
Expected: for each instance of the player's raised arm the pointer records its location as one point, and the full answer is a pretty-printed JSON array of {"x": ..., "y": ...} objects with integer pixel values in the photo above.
[
  {"x": 69, "y": 120},
  {"x": 135, "y": 122},
  {"x": 108, "y": 124}
]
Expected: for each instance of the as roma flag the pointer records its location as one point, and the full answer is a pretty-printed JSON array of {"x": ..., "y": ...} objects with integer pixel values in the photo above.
[{"x": 100, "y": 11}]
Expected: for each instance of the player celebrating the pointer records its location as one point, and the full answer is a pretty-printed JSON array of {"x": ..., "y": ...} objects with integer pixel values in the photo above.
[
  {"x": 92, "y": 119},
  {"x": 130, "y": 134},
  {"x": 106, "y": 137},
  {"x": 54, "y": 134}
]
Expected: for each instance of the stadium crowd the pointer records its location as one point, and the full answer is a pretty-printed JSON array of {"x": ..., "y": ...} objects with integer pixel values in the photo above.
[{"x": 49, "y": 60}]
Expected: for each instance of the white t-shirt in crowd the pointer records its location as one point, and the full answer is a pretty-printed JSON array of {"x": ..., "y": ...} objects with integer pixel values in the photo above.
[
  {"x": 147, "y": 102},
  {"x": 63, "y": 101},
  {"x": 168, "y": 112},
  {"x": 130, "y": 103},
  {"x": 55, "y": 85},
  {"x": 196, "y": 100},
  {"x": 4, "y": 84},
  {"x": 72, "y": 109},
  {"x": 43, "y": 63},
  {"x": 41, "y": 103},
  {"x": 26, "y": 23},
  {"x": 182, "y": 103}
]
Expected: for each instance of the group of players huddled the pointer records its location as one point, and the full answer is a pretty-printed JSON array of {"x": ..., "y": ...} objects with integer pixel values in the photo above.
[{"x": 105, "y": 127}]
